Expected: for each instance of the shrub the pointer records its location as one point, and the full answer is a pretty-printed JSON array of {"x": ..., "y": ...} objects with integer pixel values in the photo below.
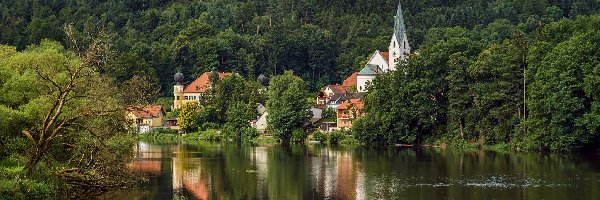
[
  {"x": 209, "y": 125},
  {"x": 319, "y": 136},
  {"x": 209, "y": 135},
  {"x": 335, "y": 137},
  {"x": 157, "y": 131},
  {"x": 349, "y": 141},
  {"x": 249, "y": 134},
  {"x": 298, "y": 135}
]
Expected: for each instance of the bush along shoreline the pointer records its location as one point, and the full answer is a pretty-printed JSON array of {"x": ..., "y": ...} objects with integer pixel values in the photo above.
[{"x": 166, "y": 136}]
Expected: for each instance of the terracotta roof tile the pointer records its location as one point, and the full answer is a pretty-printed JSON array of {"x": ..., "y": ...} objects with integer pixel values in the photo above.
[
  {"x": 386, "y": 55},
  {"x": 146, "y": 111},
  {"x": 201, "y": 84},
  {"x": 351, "y": 80},
  {"x": 356, "y": 102},
  {"x": 337, "y": 89}
]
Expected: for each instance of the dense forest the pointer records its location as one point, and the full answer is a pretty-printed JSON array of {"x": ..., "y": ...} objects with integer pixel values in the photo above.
[
  {"x": 533, "y": 90},
  {"x": 321, "y": 41}
]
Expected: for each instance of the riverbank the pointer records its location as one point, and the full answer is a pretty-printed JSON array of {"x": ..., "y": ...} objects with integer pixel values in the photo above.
[{"x": 166, "y": 136}]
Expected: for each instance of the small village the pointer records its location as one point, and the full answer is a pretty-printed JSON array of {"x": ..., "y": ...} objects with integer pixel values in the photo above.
[
  {"x": 284, "y": 99},
  {"x": 343, "y": 99}
]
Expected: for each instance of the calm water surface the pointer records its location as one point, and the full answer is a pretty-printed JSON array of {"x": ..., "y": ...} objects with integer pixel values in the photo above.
[{"x": 229, "y": 171}]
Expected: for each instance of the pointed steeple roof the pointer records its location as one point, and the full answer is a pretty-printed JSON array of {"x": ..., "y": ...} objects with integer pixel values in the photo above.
[{"x": 399, "y": 27}]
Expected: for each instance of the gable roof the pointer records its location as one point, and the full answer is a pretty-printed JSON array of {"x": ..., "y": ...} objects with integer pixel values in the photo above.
[
  {"x": 351, "y": 80},
  {"x": 201, "y": 84},
  {"x": 354, "y": 102},
  {"x": 337, "y": 89},
  {"x": 370, "y": 69},
  {"x": 386, "y": 56},
  {"x": 340, "y": 98},
  {"x": 150, "y": 111}
]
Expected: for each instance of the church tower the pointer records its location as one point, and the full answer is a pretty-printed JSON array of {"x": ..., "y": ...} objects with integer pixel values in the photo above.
[{"x": 399, "y": 48}]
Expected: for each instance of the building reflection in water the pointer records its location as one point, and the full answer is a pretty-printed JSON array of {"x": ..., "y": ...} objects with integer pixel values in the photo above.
[
  {"x": 148, "y": 159},
  {"x": 187, "y": 173},
  {"x": 333, "y": 174},
  {"x": 337, "y": 176}
]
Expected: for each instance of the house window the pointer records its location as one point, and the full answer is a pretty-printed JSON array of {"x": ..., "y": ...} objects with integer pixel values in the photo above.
[
  {"x": 405, "y": 44},
  {"x": 394, "y": 44},
  {"x": 178, "y": 98},
  {"x": 185, "y": 98}
]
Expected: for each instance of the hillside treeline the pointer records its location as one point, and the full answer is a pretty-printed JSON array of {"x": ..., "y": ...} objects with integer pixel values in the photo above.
[{"x": 321, "y": 41}]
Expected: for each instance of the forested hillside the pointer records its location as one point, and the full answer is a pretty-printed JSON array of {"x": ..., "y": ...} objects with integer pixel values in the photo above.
[{"x": 321, "y": 41}]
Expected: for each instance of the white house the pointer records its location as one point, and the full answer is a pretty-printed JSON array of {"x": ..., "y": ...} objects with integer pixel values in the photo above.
[{"x": 261, "y": 122}]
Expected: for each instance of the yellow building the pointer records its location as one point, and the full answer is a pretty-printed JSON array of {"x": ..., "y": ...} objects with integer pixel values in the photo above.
[
  {"x": 194, "y": 90},
  {"x": 145, "y": 118}
]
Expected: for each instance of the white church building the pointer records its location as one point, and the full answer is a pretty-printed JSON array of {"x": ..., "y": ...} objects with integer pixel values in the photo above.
[{"x": 384, "y": 61}]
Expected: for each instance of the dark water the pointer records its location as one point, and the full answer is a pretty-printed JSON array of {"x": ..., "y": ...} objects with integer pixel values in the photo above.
[{"x": 228, "y": 171}]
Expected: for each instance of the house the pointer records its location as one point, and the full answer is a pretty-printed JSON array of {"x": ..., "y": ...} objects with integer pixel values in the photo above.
[
  {"x": 145, "y": 118},
  {"x": 348, "y": 112},
  {"x": 195, "y": 90},
  {"x": 335, "y": 91},
  {"x": 261, "y": 123},
  {"x": 338, "y": 99}
]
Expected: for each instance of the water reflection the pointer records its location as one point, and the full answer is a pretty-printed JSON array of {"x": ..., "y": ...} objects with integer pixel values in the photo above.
[{"x": 228, "y": 171}]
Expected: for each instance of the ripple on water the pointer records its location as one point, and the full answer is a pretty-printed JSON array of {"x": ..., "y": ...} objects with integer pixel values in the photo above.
[{"x": 491, "y": 182}]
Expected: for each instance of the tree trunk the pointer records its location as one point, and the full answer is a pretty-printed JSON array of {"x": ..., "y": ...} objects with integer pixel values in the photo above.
[{"x": 33, "y": 161}]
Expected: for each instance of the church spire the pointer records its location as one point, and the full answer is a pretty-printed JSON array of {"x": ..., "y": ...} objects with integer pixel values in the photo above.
[{"x": 399, "y": 27}]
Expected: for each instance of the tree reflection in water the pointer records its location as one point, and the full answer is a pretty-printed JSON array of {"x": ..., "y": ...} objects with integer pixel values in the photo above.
[{"x": 231, "y": 171}]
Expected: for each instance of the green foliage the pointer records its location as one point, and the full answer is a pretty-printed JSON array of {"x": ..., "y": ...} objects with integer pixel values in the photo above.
[
  {"x": 563, "y": 99},
  {"x": 287, "y": 106},
  {"x": 319, "y": 136},
  {"x": 189, "y": 115},
  {"x": 157, "y": 131},
  {"x": 298, "y": 135},
  {"x": 329, "y": 115},
  {"x": 209, "y": 135},
  {"x": 322, "y": 41},
  {"x": 466, "y": 87},
  {"x": 15, "y": 184},
  {"x": 335, "y": 137},
  {"x": 349, "y": 141},
  {"x": 173, "y": 113}
]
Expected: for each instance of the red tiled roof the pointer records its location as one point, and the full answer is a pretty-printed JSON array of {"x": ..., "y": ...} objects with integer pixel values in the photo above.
[
  {"x": 386, "y": 55},
  {"x": 351, "y": 80},
  {"x": 337, "y": 88},
  {"x": 356, "y": 102},
  {"x": 146, "y": 111},
  {"x": 200, "y": 85}
]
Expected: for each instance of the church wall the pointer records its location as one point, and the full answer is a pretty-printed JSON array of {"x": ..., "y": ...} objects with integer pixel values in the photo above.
[
  {"x": 362, "y": 81},
  {"x": 378, "y": 60}
]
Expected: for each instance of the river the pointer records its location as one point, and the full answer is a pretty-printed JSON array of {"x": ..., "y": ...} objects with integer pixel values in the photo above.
[{"x": 228, "y": 171}]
